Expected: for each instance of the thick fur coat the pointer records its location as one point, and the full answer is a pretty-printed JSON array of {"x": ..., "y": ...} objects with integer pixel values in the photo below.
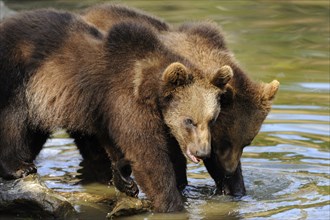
[
  {"x": 244, "y": 106},
  {"x": 121, "y": 87}
]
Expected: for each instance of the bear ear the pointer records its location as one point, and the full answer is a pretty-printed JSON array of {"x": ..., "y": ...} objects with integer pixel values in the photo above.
[
  {"x": 270, "y": 90},
  {"x": 176, "y": 74},
  {"x": 222, "y": 76}
]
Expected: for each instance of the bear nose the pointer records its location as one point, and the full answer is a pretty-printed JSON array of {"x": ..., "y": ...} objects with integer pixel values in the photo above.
[{"x": 202, "y": 153}]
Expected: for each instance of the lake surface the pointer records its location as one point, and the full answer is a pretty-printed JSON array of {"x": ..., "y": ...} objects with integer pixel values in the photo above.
[{"x": 286, "y": 168}]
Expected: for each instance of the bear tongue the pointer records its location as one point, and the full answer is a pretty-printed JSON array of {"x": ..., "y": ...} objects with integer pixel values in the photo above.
[{"x": 192, "y": 157}]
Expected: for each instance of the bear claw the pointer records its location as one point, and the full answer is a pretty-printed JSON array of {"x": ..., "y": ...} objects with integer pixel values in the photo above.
[
  {"x": 129, "y": 187},
  {"x": 26, "y": 169},
  {"x": 125, "y": 184}
]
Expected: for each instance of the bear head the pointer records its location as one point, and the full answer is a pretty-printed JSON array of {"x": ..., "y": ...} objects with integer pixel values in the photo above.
[
  {"x": 187, "y": 98},
  {"x": 192, "y": 106},
  {"x": 245, "y": 104},
  {"x": 243, "y": 112}
]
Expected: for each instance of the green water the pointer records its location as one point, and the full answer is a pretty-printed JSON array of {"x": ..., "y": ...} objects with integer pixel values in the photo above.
[{"x": 286, "y": 169}]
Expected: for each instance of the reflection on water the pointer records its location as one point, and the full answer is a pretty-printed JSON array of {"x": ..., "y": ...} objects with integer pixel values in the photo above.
[{"x": 286, "y": 169}]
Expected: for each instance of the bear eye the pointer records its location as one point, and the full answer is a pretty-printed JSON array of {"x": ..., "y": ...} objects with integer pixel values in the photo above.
[{"x": 189, "y": 122}]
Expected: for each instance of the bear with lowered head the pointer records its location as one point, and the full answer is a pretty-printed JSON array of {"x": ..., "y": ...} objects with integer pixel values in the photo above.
[
  {"x": 245, "y": 105},
  {"x": 123, "y": 87}
]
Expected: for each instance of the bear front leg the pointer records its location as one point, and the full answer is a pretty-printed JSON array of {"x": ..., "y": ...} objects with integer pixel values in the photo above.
[
  {"x": 156, "y": 178},
  {"x": 148, "y": 155},
  {"x": 179, "y": 162},
  {"x": 140, "y": 133},
  {"x": 96, "y": 165},
  {"x": 18, "y": 149},
  {"x": 233, "y": 185},
  {"x": 122, "y": 170}
]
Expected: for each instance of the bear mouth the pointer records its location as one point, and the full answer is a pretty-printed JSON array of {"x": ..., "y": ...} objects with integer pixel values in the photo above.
[{"x": 192, "y": 157}]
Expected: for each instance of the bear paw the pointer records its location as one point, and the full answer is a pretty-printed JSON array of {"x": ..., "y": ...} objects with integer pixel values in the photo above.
[
  {"x": 126, "y": 185},
  {"x": 122, "y": 180},
  {"x": 20, "y": 170},
  {"x": 24, "y": 170}
]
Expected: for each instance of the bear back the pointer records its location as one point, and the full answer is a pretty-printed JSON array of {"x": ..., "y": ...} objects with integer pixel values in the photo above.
[
  {"x": 29, "y": 38},
  {"x": 208, "y": 31},
  {"x": 105, "y": 15},
  {"x": 131, "y": 39}
]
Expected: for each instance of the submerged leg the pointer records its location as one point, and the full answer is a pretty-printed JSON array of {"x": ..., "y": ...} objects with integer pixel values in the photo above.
[
  {"x": 234, "y": 184},
  {"x": 179, "y": 164},
  {"x": 122, "y": 171},
  {"x": 227, "y": 185},
  {"x": 155, "y": 175},
  {"x": 96, "y": 163}
]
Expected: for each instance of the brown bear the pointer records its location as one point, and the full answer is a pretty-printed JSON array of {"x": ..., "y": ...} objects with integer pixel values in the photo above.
[
  {"x": 123, "y": 87},
  {"x": 244, "y": 106}
]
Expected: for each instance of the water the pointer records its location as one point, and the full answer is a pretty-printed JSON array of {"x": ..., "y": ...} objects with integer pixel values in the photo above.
[{"x": 286, "y": 168}]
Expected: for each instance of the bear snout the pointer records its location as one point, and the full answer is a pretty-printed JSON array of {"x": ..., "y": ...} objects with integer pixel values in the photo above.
[
  {"x": 201, "y": 151},
  {"x": 201, "y": 147},
  {"x": 197, "y": 152}
]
